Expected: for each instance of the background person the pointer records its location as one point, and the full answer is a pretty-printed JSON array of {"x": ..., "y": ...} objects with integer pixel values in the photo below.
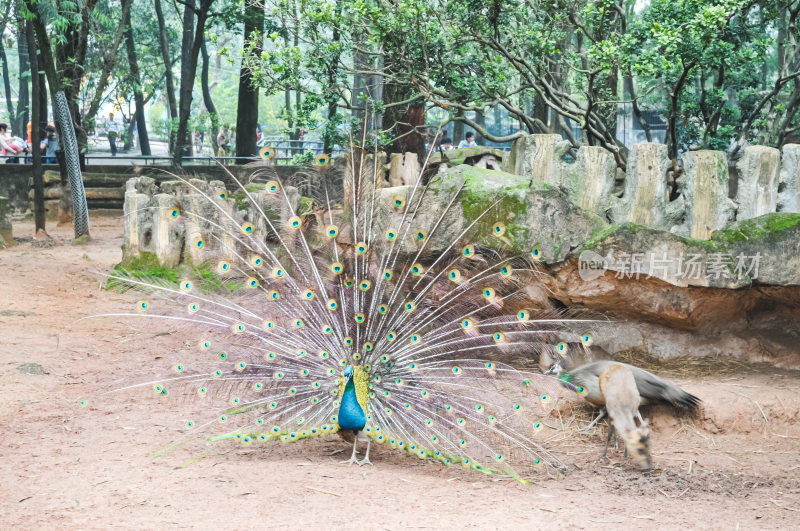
[
  {"x": 469, "y": 141},
  {"x": 7, "y": 144},
  {"x": 112, "y": 131},
  {"x": 49, "y": 145}
]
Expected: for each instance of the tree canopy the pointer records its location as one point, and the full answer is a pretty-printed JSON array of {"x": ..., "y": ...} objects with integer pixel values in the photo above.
[{"x": 695, "y": 74}]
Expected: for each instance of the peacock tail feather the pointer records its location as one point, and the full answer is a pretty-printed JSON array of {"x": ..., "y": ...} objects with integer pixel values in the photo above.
[{"x": 284, "y": 295}]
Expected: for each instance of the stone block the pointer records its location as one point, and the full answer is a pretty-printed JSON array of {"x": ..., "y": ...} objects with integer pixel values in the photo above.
[
  {"x": 757, "y": 191},
  {"x": 704, "y": 188}
]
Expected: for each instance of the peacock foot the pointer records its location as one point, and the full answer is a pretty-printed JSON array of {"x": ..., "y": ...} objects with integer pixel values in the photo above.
[
  {"x": 364, "y": 461},
  {"x": 351, "y": 461},
  {"x": 594, "y": 422}
]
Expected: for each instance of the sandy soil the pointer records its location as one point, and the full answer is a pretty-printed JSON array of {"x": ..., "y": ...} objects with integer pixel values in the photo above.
[{"x": 735, "y": 466}]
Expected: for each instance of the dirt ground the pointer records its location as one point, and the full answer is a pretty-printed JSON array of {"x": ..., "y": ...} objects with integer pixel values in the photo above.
[{"x": 735, "y": 466}]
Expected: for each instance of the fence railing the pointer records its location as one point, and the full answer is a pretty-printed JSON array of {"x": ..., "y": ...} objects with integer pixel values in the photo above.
[{"x": 284, "y": 153}]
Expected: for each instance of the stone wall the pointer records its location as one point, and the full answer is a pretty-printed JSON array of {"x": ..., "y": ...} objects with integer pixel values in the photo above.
[
  {"x": 667, "y": 294},
  {"x": 175, "y": 220},
  {"x": 695, "y": 204}
]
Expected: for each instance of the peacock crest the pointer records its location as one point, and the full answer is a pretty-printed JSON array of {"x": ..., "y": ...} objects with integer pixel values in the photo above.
[{"x": 390, "y": 290}]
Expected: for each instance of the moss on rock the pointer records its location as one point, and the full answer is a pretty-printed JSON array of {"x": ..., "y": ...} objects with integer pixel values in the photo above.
[
  {"x": 755, "y": 229},
  {"x": 502, "y": 197}
]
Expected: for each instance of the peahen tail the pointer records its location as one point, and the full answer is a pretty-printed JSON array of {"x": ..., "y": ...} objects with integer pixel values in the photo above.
[
  {"x": 652, "y": 388},
  {"x": 657, "y": 389},
  {"x": 424, "y": 305}
]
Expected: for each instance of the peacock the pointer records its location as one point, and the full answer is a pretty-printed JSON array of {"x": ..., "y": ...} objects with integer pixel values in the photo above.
[{"x": 367, "y": 311}]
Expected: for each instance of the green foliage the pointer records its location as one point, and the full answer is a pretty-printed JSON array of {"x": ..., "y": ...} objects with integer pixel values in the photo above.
[
  {"x": 303, "y": 159},
  {"x": 306, "y": 206},
  {"x": 706, "y": 66},
  {"x": 146, "y": 267}
]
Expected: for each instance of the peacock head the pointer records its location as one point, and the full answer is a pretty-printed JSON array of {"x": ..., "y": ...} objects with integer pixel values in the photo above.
[{"x": 348, "y": 371}]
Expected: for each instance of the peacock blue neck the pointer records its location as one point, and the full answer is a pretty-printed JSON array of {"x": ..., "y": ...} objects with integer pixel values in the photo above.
[{"x": 351, "y": 416}]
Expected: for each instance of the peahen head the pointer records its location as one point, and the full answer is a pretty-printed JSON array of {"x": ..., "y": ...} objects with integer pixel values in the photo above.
[
  {"x": 637, "y": 443},
  {"x": 558, "y": 370}
]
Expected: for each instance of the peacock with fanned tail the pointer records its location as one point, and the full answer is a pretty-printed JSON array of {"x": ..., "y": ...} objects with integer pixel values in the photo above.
[{"x": 385, "y": 316}]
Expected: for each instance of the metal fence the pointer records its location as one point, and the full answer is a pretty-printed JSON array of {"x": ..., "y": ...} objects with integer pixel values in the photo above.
[{"x": 285, "y": 152}]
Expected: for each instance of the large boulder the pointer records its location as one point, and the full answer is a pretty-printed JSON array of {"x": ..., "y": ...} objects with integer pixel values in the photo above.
[
  {"x": 764, "y": 250},
  {"x": 636, "y": 252},
  {"x": 532, "y": 215}
]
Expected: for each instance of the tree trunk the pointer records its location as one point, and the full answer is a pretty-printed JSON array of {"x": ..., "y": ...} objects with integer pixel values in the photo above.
[
  {"x": 109, "y": 61},
  {"x": 42, "y": 98},
  {"x": 458, "y": 128},
  {"x": 70, "y": 162},
  {"x": 674, "y": 109},
  {"x": 781, "y": 40},
  {"x": 333, "y": 68},
  {"x": 23, "y": 95},
  {"x": 163, "y": 43},
  {"x": 141, "y": 125},
  {"x": 480, "y": 119},
  {"x": 36, "y": 151},
  {"x": 183, "y": 144},
  {"x": 631, "y": 90},
  {"x": 540, "y": 114},
  {"x": 498, "y": 120},
  {"x": 404, "y": 122},
  {"x": 298, "y": 94},
  {"x": 247, "y": 109},
  {"x": 207, "y": 101},
  {"x": 360, "y": 91},
  {"x": 127, "y": 144},
  {"x": 6, "y": 80},
  {"x": 287, "y": 102}
]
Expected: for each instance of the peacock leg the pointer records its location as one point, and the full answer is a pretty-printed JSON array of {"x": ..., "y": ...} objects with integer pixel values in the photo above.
[
  {"x": 594, "y": 422},
  {"x": 639, "y": 416},
  {"x": 353, "y": 457},
  {"x": 366, "y": 460}
]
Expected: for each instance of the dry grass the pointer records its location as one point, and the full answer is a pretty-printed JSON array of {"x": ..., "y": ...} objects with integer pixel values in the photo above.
[{"x": 694, "y": 366}]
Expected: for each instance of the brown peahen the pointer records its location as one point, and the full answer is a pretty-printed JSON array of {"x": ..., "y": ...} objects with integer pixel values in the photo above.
[
  {"x": 651, "y": 388},
  {"x": 622, "y": 400}
]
